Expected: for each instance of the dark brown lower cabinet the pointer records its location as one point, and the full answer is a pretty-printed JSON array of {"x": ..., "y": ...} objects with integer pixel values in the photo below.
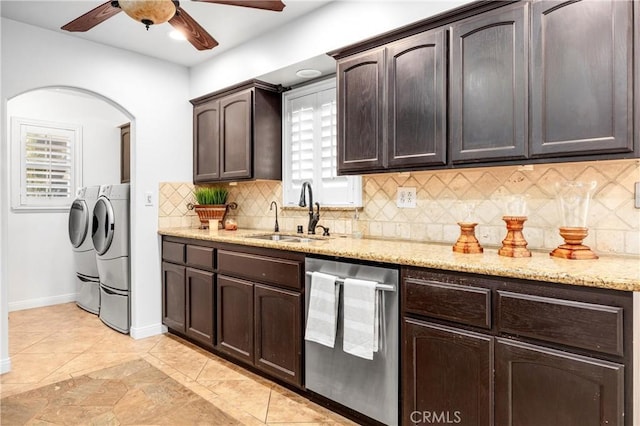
[
  {"x": 447, "y": 375},
  {"x": 200, "y": 293},
  {"x": 480, "y": 350},
  {"x": 235, "y": 318},
  {"x": 173, "y": 307},
  {"x": 536, "y": 386},
  {"x": 244, "y": 302},
  {"x": 277, "y": 317}
]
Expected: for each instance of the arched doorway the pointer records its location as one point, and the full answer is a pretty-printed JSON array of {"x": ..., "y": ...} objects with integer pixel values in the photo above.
[{"x": 35, "y": 246}]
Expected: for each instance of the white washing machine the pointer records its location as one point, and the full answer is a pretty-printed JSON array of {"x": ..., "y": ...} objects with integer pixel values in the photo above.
[
  {"x": 110, "y": 235},
  {"x": 84, "y": 255}
]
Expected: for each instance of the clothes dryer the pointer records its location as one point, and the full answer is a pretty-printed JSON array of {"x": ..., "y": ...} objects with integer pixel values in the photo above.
[
  {"x": 110, "y": 235},
  {"x": 84, "y": 255}
]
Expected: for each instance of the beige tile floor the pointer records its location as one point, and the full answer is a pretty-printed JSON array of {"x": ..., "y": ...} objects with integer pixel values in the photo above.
[{"x": 55, "y": 343}]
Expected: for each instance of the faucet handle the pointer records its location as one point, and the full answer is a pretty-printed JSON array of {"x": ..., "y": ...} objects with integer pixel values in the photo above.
[{"x": 325, "y": 230}]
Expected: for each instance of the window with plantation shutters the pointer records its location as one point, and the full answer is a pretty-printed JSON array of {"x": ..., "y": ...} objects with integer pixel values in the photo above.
[
  {"x": 310, "y": 148},
  {"x": 46, "y": 158}
]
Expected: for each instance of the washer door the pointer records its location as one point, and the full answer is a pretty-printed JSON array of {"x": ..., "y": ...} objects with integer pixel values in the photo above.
[
  {"x": 103, "y": 225},
  {"x": 78, "y": 222}
]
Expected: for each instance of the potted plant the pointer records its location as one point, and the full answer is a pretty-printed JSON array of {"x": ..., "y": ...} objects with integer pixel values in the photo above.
[{"x": 211, "y": 204}]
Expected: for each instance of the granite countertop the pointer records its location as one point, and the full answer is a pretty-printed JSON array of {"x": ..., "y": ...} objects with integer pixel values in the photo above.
[{"x": 613, "y": 272}]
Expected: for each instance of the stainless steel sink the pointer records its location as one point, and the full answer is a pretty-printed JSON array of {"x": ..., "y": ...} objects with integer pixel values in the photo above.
[{"x": 284, "y": 238}]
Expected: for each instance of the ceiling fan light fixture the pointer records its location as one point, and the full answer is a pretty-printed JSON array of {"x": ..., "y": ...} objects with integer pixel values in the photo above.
[{"x": 149, "y": 12}]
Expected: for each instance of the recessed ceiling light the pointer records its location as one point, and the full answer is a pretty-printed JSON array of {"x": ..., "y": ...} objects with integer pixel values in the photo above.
[
  {"x": 308, "y": 73},
  {"x": 177, "y": 35}
]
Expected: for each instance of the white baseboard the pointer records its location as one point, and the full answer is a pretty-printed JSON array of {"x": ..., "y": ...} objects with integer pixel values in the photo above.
[
  {"x": 41, "y": 301},
  {"x": 5, "y": 365},
  {"x": 147, "y": 331}
]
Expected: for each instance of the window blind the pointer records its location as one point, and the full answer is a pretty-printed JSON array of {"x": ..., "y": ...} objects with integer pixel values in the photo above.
[
  {"x": 48, "y": 165},
  {"x": 310, "y": 148}
]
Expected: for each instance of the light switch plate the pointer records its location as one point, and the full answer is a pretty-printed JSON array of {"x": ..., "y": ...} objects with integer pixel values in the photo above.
[
  {"x": 148, "y": 198},
  {"x": 406, "y": 197}
]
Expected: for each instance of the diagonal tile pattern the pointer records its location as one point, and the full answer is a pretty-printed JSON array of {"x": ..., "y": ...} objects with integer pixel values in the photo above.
[
  {"x": 613, "y": 221},
  {"x": 62, "y": 345}
]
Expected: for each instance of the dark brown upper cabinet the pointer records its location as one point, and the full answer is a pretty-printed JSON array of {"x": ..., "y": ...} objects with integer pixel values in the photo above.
[
  {"x": 392, "y": 106},
  {"x": 488, "y": 86},
  {"x": 416, "y": 90},
  {"x": 520, "y": 82},
  {"x": 581, "y": 70},
  {"x": 360, "y": 112},
  {"x": 206, "y": 141},
  {"x": 125, "y": 153},
  {"x": 237, "y": 134}
]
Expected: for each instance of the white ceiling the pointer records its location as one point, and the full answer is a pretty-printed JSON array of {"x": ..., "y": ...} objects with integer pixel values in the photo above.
[{"x": 229, "y": 25}]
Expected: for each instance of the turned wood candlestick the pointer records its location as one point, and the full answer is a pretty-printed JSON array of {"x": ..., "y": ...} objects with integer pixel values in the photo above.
[
  {"x": 573, "y": 247},
  {"x": 514, "y": 244},
  {"x": 467, "y": 242}
]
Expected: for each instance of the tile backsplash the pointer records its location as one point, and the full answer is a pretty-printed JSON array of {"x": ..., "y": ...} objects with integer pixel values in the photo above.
[{"x": 614, "y": 222}]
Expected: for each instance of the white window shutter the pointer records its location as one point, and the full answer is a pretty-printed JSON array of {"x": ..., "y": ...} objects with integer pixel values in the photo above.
[
  {"x": 310, "y": 148},
  {"x": 46, "y": 162}
]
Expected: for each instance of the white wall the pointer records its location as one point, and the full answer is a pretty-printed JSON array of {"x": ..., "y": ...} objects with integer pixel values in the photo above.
[
  {"x": 41, "y": 237},
  {"x": 153, "y": 93},
  {"x": 330, "y": 27}
]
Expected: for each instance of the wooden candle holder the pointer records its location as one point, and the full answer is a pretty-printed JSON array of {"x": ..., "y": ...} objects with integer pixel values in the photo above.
[
  {"x": 467, "y": 242},
  {"x": 573, "y": 248},
  {"x": 514, "y": 244}
]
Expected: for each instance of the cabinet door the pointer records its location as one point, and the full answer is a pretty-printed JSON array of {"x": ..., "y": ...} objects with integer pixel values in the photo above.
[
  {"x": 206, "y": 142},
  {"x": 360, "y": 112},
  {"x": 539, "y": 386},
  {"x": 416, "y": 98},
  {"x": 446, "y": 375},
  {"x": 581, "y": 77},
  {"x": 235, "y": 318},
  {"x": 125, "y": 153},
  {"x": 236, "y": 135},
  {"x": 173, "y": 289},
  {"x": 488, "y": 92},
  {"x": 277, "y": 333},
  {"x": 200, "y": 305}
]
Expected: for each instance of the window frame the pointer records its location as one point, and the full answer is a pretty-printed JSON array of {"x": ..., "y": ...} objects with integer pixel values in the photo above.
[
  {"x": 19, "y": 200},
  {"x": 290, "y": 192}
]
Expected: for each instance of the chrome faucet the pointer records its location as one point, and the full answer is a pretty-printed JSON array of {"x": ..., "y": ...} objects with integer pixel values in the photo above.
[
  {"x": 313, "y": 217},
  {"x": 276, "y": 228}
]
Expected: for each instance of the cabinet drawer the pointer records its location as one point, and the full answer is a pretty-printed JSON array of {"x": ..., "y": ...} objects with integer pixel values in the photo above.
[
  {"x": 282, "y": 272},
  {"x": 173, "y": 252},
  {"x": 578, "y": 324},
  {"x": 200, "y": 257},
  {"x": 451, "y": 302}
]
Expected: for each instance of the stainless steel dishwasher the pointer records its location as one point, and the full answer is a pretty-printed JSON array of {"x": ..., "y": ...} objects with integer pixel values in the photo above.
[{"x": 369, "y": 387}]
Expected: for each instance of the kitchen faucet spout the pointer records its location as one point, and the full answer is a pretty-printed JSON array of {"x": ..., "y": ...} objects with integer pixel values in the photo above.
[
  {"x": 276, "y": 228},
  {"x": 313, "y": 217}
]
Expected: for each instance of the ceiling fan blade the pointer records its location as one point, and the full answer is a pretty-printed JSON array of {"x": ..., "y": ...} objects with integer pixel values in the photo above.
[
  {"x": 92, "y": 18},
  {"x": 275, "y": 5},
  {"x": 195, "y": 34}
]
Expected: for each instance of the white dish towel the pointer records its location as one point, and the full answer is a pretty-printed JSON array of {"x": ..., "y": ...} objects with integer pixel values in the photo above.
[
  {"x": 361, "y": 317},
  {"x": 323, "y": 309}
]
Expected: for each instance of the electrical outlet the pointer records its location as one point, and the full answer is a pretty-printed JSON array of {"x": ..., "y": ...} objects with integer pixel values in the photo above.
[
  {"x": 406, "y": 197},
  {"x": 637, "y": 195},
  {"x": 148, "y": 198}
]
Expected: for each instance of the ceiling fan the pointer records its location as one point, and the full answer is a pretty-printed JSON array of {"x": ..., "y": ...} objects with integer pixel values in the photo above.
[{"x": 153, "y": 12}]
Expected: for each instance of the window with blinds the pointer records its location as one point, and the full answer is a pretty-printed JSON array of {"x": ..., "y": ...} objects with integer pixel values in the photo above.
[
  {"x": 310, "y": 148},
  {"x": 47, "y": 163}
]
